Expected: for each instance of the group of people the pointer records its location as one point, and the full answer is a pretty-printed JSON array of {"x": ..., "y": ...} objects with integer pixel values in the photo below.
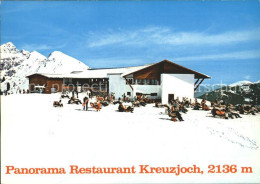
[
  {"x": 85, "y": 102},
  {"x": 95, "y": 105},
  {"x": 226, "y": 110},
  {"x": 202, "y": 105},
  {"x": 218, "y": 108},
  {"x": 137, "y": 101},
  {"x": 178, "y": 107},
  {"x": 173, "y": 109},
  {"x": 123, "y": 108},
  {"x": 23, "y": 91},
  {"x": 247, "y": 109}
]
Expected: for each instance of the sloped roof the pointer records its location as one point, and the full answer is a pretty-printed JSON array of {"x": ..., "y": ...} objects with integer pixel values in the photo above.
[
  {"x": 197, "y": 74},
  {"x": 104, "y": 72},
  {"x": 93, "y": 73},
  {"x": 49, "y": 75},
  {"x": 124, "y": 71}
]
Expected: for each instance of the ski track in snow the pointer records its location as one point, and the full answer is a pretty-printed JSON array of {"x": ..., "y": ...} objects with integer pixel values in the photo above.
[
  {"x": 221, "y": 130},
  {"x": 234, "y": 137}
]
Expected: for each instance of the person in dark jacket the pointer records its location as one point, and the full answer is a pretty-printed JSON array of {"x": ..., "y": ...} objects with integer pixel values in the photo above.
[
  {"x": 122, "y": 108},
  {"x": 77, "y": 93},
  {"x": 173, "y": 113},
  {"x": 85, "y": 103}
]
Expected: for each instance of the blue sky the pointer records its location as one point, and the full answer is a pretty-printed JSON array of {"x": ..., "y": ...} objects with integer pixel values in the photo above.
[{"x": 219, "y": 38}]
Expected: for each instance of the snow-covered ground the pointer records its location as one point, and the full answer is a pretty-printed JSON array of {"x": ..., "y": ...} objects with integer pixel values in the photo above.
[{"x": 35, "y": 134}]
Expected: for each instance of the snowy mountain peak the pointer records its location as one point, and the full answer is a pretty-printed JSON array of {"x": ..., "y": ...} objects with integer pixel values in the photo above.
[
  {"x": 240, "y": 83},
  {"x": 16, "y": 65},
  {"x": 8, "y": 45},
  {"x": 25, "y": 52},
  {"x": 9, "y": 48},
  {"x": 55, "y": 54},
  {"x": 58, "y": 62},
  {"x": 61, "y": 57},
  {"x": 69, "y": 63},
  {"x": 37, "y": 55}
]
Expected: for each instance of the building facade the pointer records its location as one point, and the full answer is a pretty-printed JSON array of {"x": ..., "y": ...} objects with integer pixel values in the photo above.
[{"x": 163, "y": 80}]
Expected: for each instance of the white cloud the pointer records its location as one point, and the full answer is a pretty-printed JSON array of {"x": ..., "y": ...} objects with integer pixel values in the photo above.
[
  {"x": 161, "y": 35},
  {"x": 109, "y": 62},
  {"x": 41, "y": 47},
  {"x": 211, "y": 39},
  {"x": 247, "y": 77},
  {"x": 251, "y": 54},
  {"x": 108, "y": 40}
]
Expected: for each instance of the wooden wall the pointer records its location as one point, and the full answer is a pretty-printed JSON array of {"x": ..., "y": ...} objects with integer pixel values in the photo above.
[
  {"x": 57, "y": 83},
  {"x": 54, "y": 83},
  {"x": 152, "y": 72},
  {"x": 47, "y": 82},
  {"x": 155, "y": 71},
  {"x": 37, "y": 80},
  {"x": 171, "y": 68}
]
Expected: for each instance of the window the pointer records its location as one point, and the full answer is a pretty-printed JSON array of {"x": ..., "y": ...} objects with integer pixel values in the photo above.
[
  {"x": 129, "y": 81},
  {"x": 67, "y": 81},
  {"x": 147, "y": 81},
  {"x": 144, "y": 81},
  {"x": 153, "y": 82},
  {"x": 153, "y": 94},
  {"x": 157, "y": 82},
  {"x": 140, "y": 81}
]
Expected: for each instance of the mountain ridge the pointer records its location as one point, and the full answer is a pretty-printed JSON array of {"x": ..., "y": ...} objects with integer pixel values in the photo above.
[
  {"x": 15, "y": 65},
  {"x": 241, "y": 92}
]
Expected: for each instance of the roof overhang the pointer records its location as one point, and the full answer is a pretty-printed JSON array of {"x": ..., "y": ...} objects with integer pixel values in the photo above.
[
  {"x": 124, "y": 72},
  {"x": 187, "y": 70}
]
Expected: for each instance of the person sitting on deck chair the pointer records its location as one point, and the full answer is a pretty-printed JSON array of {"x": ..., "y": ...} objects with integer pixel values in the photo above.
[
  {"x": 196, "y": 106},
  {"x": 96, "y": 106},
  {"x": 182, "y": 108},
  {"x": 122, "y": 108},
  {"x": 219, "y": 112},
  {"x": 204, "y": 105},
  {"x": 173, "y": 113},
  {"x": 231, "y": 113},
  {"x": 57, "y": 104}
]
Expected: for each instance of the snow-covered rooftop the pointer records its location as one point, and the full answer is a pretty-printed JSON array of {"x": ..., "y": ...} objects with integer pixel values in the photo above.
[
  {"x": 49, "y": 75},
  {"x": 104, "y": 72},
  {"x": 95, "y": 73}
]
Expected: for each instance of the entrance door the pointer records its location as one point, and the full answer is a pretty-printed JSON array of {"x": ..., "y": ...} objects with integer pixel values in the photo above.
[{"x": 170, "y": 97}]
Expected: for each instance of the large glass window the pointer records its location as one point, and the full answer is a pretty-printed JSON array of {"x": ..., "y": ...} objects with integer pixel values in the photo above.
[
  {"x": 156, "y": 82},
  {"x": 147, "y": 82},
  {"x": 140, "y": 81},
  {"x": 153, "y": 81},
  {"x": 144, "y": 81}
]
